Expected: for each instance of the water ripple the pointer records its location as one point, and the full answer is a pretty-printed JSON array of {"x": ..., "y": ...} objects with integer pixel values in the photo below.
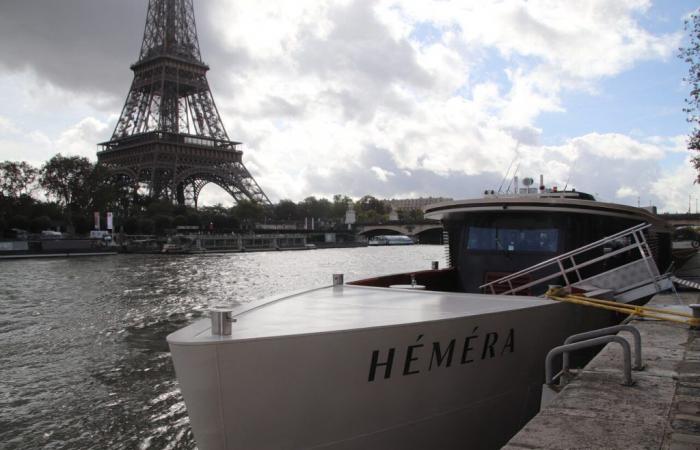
[{"x": 84, "y": 361}]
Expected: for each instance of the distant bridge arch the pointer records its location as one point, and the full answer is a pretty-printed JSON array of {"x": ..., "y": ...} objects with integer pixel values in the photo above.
[
  {"x": 422, "y": 232},
  {"x": 677, "y": 220}
]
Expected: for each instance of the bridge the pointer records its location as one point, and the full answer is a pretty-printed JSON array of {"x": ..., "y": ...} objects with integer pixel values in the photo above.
[
  {"x": 425, "y": 232},
  {"x": 687, "y": 219}
]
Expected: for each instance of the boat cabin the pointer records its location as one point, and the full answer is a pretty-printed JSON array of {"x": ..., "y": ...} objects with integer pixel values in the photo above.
[{"x": 500, "y": 234}]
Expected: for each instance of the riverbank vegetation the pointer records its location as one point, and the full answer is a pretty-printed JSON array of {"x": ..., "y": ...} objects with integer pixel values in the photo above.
[
  {"x": 64, "y": 193},
  {"x": 691, "y": 55}
]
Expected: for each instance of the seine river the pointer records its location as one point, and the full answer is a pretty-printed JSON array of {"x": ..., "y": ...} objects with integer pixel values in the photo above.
[{"x": 83, "y": 359}]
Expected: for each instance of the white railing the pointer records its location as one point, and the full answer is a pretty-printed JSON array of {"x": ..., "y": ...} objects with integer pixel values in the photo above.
[{"x": 634, "y": 237}]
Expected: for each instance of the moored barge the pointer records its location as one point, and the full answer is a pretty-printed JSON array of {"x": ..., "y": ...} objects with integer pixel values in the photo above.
[{"x": 455, "y": 364}]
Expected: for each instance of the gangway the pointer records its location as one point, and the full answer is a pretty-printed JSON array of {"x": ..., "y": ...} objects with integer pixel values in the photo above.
[{"x": 625, "y": 283}]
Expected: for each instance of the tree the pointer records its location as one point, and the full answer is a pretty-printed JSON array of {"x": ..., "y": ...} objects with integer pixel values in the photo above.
[
  {"x": 371, "y": 210},
  {"x": 82, "y": 223},
  {"x": 313, "y": 207},
  {"x": 162, "y": 222},
  {"x": 286, "y": 210},
  {"x": 17, "y": 178},
  {"x": 691, "y": 55},
  {"x": 19, "y": 221},
  {"x": 247, "y": 213},
  {"x": 39, "y": 224},
  {"x": 340, "y": 205},
  {"x": 131, "y": 225},
  {"x": 146, "y": 226},
  {"x": 67, "y": 178}
]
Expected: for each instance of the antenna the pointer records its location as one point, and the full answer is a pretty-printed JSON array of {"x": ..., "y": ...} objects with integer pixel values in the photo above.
[
  {"x": 571, "y": 169},
  {"x": 515, "y": 158},
  {"x": 511, "y": 180}
]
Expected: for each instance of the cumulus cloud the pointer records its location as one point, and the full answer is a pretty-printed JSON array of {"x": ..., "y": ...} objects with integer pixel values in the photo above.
[
  {"x": 626, "y": 191},
  {"x": 7, "y": 126},
  {"x": 386, "y": 97},
  {"x": 675, "y": 188},
  {"x": 79, "y": 45},
  {"x": 36, "y": 146},
  {"x": 81, "y": 139},
  {"x": 382, "y": 175}
]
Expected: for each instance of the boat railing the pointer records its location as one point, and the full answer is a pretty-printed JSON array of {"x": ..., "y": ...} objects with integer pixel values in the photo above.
[{"x": 634, "y": 238}]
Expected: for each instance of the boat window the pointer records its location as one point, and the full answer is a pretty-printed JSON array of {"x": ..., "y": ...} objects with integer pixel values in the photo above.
[{"x": 513, "y": 240}]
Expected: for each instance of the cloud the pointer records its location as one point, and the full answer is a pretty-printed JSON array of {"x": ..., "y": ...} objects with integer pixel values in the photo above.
[
  {"x": 616, "y": 146},
  {"x": 626, "y": 191},
  {"x": 382, "y": 175},
  {"x": 7, "y": 126},
  {"x": 36, "y": 146},
  {"x": 675, "y": 188},
  {"x": 393, "y": 97},
  {"x": 587, "y": 39},
  {"x": 79, "y": 45},
  {"x": 81, "y": 139}
]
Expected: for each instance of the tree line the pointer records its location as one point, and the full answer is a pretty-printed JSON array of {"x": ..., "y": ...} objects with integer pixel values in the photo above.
[{"x": 66, "y": 190}]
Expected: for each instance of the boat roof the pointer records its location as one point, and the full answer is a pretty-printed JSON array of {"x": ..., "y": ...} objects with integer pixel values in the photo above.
[
  {"x": 348, "y": 307},
  {"x": 540, "y": 203}
]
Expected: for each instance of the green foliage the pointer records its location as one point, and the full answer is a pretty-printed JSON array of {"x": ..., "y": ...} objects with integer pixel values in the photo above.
[
  {"x": 193, "y": 219},
  {"x": 19, "y": 221},
  {"x": 160, "y": 207},
  {"x": 340, "y": 205},
  {"x": 162, "y": 222},
  {"x": 67, "y": 179},
  {"x": 40, "y": 223},
  {"x": 248, "y": 213},
  {"x": 371, "y": 210},
  {"x": 180, "y": 220},
  {"x": 82, "y": 223},
  {"x": 146, "y": 225},
  {"x": 691, "y": 55},
  {"x": 286, "y": 210},
  {"x": 17, "y": 178},
  {"x": 313, "y": 207},
  {"x": 411, "y": 215},
  {"x": 131, "y": 225},
  {"x": 76, "y": 187}
]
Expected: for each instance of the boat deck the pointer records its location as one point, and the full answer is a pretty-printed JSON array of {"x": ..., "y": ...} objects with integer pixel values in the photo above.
[{"x": 347, "y": 307}]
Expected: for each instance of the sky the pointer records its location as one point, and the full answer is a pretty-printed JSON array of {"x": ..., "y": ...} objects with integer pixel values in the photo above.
[{"x": 391, "y": 98}]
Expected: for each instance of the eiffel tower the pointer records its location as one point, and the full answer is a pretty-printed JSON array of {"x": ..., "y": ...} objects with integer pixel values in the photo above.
[{"x": 169, "y": 139}]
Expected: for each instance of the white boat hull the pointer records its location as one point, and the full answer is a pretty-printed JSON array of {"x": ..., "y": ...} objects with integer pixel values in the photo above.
[{"x": 337, "y": 390}]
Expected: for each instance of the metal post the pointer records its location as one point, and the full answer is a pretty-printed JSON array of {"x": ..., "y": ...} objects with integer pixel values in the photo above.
[
  {"x": 435, "y": 265},
  {"x": 338, "y": 279},
  {"x": 549, "y": 377},
  {"x": 637, "y": 337},
  {"x": 221, "y": 320}
]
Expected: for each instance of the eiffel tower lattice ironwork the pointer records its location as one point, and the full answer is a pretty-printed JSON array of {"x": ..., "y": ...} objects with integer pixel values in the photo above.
[{"x": 170, "y": 138}]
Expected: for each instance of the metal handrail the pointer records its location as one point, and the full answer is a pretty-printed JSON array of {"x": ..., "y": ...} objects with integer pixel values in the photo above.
[
  {"x": 549, "y": 377},
  {"x": 641, "y": 244},
  {"x": 637, "y": 337}
]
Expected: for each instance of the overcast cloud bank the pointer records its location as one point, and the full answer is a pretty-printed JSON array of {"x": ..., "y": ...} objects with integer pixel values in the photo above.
[{"x": 391, "y": 98}]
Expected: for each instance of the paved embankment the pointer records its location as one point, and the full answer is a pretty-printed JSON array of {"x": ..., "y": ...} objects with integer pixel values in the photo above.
[{"x": 661, "y": 411}]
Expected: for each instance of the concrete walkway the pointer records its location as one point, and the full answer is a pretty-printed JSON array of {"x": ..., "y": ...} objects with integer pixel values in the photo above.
[{"x": 661, "y": 411}]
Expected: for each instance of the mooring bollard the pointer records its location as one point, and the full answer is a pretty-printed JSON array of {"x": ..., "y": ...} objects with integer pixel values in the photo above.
[
  {"x": 338, "y": 279},
  {"x": 435, "y": 265},
  {"x": 695, "y": 307},
  {"x": 221, "y": 320}
]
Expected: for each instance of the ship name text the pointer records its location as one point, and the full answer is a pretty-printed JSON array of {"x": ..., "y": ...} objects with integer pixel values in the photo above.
[{"x": 424, "y": 356}]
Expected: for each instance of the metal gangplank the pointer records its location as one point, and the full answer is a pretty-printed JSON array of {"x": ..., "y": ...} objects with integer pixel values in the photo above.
[{"x": 628, "y": 282}]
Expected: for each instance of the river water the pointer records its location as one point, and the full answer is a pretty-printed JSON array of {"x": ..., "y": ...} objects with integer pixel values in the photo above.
[{"x": 84, "y": 363}]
